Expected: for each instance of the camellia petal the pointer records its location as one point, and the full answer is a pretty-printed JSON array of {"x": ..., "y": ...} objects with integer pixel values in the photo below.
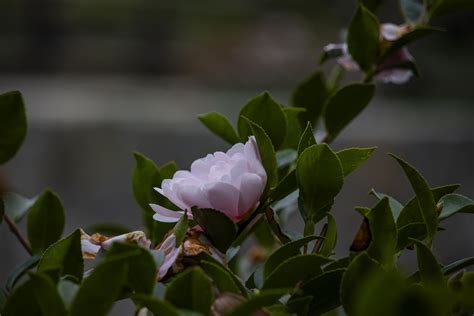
[{"x": 231, "y": 182}]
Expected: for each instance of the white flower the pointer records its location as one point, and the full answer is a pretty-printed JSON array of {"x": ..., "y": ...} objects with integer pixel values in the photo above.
[
  {"x": 91, "y": 245},
  {"x": 230, "y": 182}
]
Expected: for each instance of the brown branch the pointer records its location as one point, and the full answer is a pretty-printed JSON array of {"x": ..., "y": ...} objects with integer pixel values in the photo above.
[
  {"x": 16, "y": 231},
  {"x": 319, "y": 243}
]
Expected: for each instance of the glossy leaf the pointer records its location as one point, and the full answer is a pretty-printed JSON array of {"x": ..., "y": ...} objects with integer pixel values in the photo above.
[
  {"x": 413, "y": 10},
  {"x": 383, "y": 233},
  {"x": 455, "y": 203},
  {"x": 293, "y": 270},
  {"x": 65, "y": 255},
  {"x": 220, "y": 125},
  {"x": 331, "y": 237},
  {"x": 320, "y": 178},
  {"x": 345, "y": 104},
  {"x": 221, "y": 277},
  {"x": 263, "y": 299},
  {"x": 284, "y": 252},
  {"x": 147, "y": 176},
  {"x": 37, "y": 296},
  {"x": 101, "y": 289},
  {"x": 351, "y": 158},
  {"x": 325, "y": 290},
  {"x": 67, "y": 290},
  {"x": 168, "y": 169},
  {"x": 458, "y": 265},
  {"x": 307, "y": 139},
  {"x": 17, "y": 206},
  {"x": 430, "y": 271},
  {"x": 286, "y": 157},
  {"x": 311, "y": 94},
  {"x": 220, "y": 229},
  {"x": 45, "y": 221},
  {"x": 264, "y": 111},
  {"x": 424, "y": 196},
  {"x": 191, "y": 290},
  {"x": 363, "y": 38},
  {"x": 141, "y": 268},
  {"x": 155, "y": 305},
  {"x": 20, "y": 271},
  {"x": 179, "y": 230},
  {"x": 267, "y": 154},
  {"x": 294, "y": 127},
  {"x": 395, "y": 206},
  {"x": 353, "y": 280},
  {"x": 12, "y": 124},
  {"x": 285, "y": 187}
]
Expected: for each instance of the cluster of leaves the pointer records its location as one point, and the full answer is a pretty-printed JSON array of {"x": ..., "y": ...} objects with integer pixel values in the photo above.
[{"x": 299, "y": 273}]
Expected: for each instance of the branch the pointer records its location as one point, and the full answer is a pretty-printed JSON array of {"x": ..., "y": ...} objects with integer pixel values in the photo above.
[{"x": 16, "y": 231}]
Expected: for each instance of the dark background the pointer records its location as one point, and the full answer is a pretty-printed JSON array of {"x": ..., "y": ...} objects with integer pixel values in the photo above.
[{"x": 104, "y": 78}]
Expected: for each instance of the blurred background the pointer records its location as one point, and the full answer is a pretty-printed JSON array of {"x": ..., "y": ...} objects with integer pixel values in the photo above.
[{"x": 104, "y": 78}]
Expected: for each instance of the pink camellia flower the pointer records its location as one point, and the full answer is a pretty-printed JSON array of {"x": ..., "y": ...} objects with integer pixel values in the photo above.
[
  {"x": 230, "y": 182},
  {"x": 392, "y": 70}
]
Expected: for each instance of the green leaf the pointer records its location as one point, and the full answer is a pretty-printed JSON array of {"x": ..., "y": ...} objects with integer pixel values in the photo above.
[
  {"x": 354, "y": 279},
  {"x": 424, "y": 196},
  {"x": 351, "y": 158},
  {"x": 37, "y": 296},
  {"x": 458, "y": 265},
  {"x": 12, "y": 124},
  {"x": 156, "y": 306},
  {"x": 345, "y": 104},
  {"x": 383, "y": 233},
  {"x": 141, "y": 267},
  {"x": 311, "y": 94},
  {"x": 286, "y": 251},
  {"x": 286, "y": 157},
  {"x": 45, "y": 221},
  {"x": 180, "y": 229},
  {"x": 268, "y": 114},
  {"x": 320, "y": 178},
  {"x": 67, "y": 290},
  {"x": 168, "y": 170},
  {"x": 412, "y": 10},
  {"x": 307, "y": 139},
  {"x": 409, "y": 231},
  {"x": 220, "y": 228},
  {"x": 325, "y": 290},
  {"x": 395, "y": 206},
  {"x": 101, "y": 289},
  {"x": 17, "y": 206},
  {"x": 449, "y": 6},
  {"x": 65, "y": 255},
  {"x": 455, "y": 203},
  {"x": 341, "y": 263},
  {"x": 330, "y": 238},
  {"x": 294, "y": 270},
  {"x": 294, "y": 128},
  {"x": 147, "y": 176},
  {"x": 363, "y": 38},
  {"x": 411, "y": 212},
  {"x": 220, "y": 125},
  {"x": 20, "y": 271},
  {"x": 285, "y": 187},
  {"x": 267, "y": 154},
  {"x": 225, "y": 282},
  {"x": 262, "y": 299},
  {"x": 430, "y": 271},
  {"x": 191, "y": 290}
]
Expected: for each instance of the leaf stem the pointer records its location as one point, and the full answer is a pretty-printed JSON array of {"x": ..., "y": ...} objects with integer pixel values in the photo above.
[{"x": 16, "y": 231}]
